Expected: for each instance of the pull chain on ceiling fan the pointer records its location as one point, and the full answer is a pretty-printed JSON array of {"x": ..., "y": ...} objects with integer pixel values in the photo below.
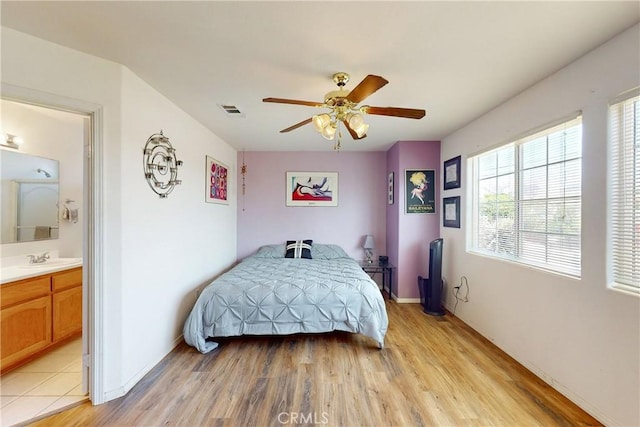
[{"x": 343, "y": 109}]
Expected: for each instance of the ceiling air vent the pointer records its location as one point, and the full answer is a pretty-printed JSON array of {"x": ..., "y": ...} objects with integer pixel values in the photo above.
[{"x": 231, "y": 110}]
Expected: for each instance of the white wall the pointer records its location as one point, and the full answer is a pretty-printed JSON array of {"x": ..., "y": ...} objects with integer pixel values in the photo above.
[
  {"x": 173, "y": 245},
  {"x": 579, "y": 336},
  {"x": 156, "y": 252}
]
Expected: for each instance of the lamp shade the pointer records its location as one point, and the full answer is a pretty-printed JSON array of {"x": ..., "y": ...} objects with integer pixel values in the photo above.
[
  {"x": 329, "y": 131},
  {"x": 369, "y": 242},
  {"x": 321, "y": 121},
  {"x": 355, "y": 120},
  {"x": 362, "y": 130}
]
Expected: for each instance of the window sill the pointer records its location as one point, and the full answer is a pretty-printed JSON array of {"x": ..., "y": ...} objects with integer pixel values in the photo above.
[
  {"x": 624, "y": 289},
  {"x": 525, "y": 265}
]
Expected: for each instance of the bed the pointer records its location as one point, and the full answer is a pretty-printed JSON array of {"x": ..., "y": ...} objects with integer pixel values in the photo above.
[{"x": 270, "y": 294}]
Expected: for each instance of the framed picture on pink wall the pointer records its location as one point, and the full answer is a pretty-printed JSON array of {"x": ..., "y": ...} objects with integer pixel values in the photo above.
[
  {"x": 312, "y": 189},
  {"x": 420, "y": 195},
  {"x": 390, "y": 189},
  {"x": 216, "y": 181}
]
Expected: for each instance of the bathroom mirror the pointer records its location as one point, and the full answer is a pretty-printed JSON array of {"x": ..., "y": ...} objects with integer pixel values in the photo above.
[{"x": 28, "y": 197}]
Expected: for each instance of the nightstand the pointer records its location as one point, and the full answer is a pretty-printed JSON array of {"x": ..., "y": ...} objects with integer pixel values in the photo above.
[{"x": 372, "y": 268}]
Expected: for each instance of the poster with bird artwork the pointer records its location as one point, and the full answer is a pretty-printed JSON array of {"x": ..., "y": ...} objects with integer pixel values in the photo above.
[{"x": 312, "y": 189}]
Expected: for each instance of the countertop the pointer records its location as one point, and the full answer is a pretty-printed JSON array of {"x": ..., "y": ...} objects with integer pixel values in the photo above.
[{"x": 25, "y": 271}]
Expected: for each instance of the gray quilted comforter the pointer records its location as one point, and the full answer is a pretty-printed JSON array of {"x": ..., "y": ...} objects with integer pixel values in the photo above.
[{"x": 273, "y": 295}]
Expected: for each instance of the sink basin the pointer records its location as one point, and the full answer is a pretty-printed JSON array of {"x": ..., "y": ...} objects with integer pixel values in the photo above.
[{"x": 51, "y": 263}]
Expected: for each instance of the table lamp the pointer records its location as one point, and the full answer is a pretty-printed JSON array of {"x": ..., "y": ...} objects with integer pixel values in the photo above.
[{"x": 368, "y": 246}]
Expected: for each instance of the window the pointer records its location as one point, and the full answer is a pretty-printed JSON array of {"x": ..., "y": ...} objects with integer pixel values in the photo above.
[
  {"x": 526, "y": 199},
  {"x": 624, "y": 214}
]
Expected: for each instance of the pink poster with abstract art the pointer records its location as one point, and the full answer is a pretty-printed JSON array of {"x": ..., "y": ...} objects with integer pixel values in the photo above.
[{"x": 217, "y": 181}]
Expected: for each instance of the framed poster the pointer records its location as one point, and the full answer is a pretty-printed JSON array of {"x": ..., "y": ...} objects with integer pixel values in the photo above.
[
  {"x": 390, "y": 189},
  {"x": 216, "y": 181},
  {"x": 452, "y": 173},
  {"x": 312, "y": 189},
  {"x": 451, "y": 210},
  {"x": 420, "y": 191}
]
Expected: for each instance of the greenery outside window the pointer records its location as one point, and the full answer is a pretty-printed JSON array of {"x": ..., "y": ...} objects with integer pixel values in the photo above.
[
  {"x": 624, "y": 206},
  {"x": 526, "y": 199}
]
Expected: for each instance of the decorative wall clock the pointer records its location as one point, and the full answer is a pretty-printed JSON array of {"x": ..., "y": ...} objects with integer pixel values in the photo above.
[{"x": 161, "y": 165}]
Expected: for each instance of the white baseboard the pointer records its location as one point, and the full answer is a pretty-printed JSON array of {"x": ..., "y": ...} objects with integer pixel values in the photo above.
[
  {"x": 124, "y": 389},
  {"x": 406, "y": 300}
]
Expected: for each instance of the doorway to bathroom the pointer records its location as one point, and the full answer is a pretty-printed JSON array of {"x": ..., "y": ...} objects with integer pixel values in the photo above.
[{"x": 53, "y": 224}]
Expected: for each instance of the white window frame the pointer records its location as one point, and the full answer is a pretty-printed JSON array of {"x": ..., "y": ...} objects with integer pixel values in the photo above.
[
  {"x": 623, "y": 261},
  {"x": 512, "y": 249}
]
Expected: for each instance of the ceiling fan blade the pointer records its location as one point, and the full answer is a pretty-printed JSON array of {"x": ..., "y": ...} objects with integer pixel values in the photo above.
[
  {"x": 296, "y": 126},
  {"x": 353, "y": 133},
  {"x": 293, "y": 101},
  {"x": 409, "y": 113},
  {"x": 366, "y": 87}
]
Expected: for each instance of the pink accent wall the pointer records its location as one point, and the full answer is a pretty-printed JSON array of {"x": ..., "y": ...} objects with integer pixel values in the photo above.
[
  {"x": 263, "y": 217},
  {"x": 409, "y": 235},
  {"x": 393, "y": 213}
]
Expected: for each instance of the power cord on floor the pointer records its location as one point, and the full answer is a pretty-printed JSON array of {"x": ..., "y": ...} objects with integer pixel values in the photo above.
[{"x": 456, "y": 292}]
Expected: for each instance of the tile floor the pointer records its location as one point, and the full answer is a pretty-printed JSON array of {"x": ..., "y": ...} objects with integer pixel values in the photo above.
[{"x": 42, "y": 386}]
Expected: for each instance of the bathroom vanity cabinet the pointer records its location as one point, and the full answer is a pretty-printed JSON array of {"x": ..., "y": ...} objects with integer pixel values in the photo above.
[{"x": 37, "y": 314}]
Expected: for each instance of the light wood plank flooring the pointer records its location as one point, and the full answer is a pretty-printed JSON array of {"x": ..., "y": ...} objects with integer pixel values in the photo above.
[{"x": 432, "y": 372}]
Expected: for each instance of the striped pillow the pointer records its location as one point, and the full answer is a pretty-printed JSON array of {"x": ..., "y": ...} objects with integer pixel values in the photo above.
[{"x": 298, "y": 249}]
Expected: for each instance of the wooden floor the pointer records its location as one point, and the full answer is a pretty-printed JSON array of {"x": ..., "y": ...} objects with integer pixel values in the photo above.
[{"x": 432, "y": 372}]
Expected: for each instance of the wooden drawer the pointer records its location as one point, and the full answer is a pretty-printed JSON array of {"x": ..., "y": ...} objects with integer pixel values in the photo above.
[
  {"x": 24, "y": 290},
  {"x": 66, "y": 279}
]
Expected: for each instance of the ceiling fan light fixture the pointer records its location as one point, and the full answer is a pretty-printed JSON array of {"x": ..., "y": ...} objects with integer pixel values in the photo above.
[
  {"x": 357, "y": 124},
  {"x": 321, "y": 121},
  {"x": 344, "y": 109},
  {"x": 355, "y": 120},
  {"x": 329, "y": 131},
  {"x": 361, "y": 130}
]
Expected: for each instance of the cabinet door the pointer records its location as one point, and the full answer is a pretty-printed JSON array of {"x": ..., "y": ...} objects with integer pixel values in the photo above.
[
  {"x": 26, "y": 329},
  {"x": 67, "y": 313}
]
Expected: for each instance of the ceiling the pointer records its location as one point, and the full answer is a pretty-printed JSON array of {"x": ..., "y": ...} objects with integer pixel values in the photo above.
[{"x": 457, "y": 60}]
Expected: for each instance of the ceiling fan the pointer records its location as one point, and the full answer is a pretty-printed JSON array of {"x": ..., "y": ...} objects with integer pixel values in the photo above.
[{"x": 343, "y": 109}]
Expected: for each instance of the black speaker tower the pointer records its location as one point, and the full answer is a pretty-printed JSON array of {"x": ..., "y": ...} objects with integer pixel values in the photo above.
[{"x": 431, "y": 287}]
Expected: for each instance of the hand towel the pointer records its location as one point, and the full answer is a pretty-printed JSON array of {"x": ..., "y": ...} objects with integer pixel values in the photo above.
[
  {"x": 42, "y": 232},
  {"x": 73, "y": 215}
]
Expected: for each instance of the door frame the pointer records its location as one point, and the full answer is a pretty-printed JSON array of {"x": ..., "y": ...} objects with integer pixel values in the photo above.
[{"x": 93, "y": 244}]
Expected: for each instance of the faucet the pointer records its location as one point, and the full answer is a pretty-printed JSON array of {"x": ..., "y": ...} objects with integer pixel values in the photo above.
[{"x": 38, "y": 259}]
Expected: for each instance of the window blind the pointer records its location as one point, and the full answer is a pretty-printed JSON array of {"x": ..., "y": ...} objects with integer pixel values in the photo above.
[
  {"x": 527, "y": 199},
  {"x": 624, "y": 208}
]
